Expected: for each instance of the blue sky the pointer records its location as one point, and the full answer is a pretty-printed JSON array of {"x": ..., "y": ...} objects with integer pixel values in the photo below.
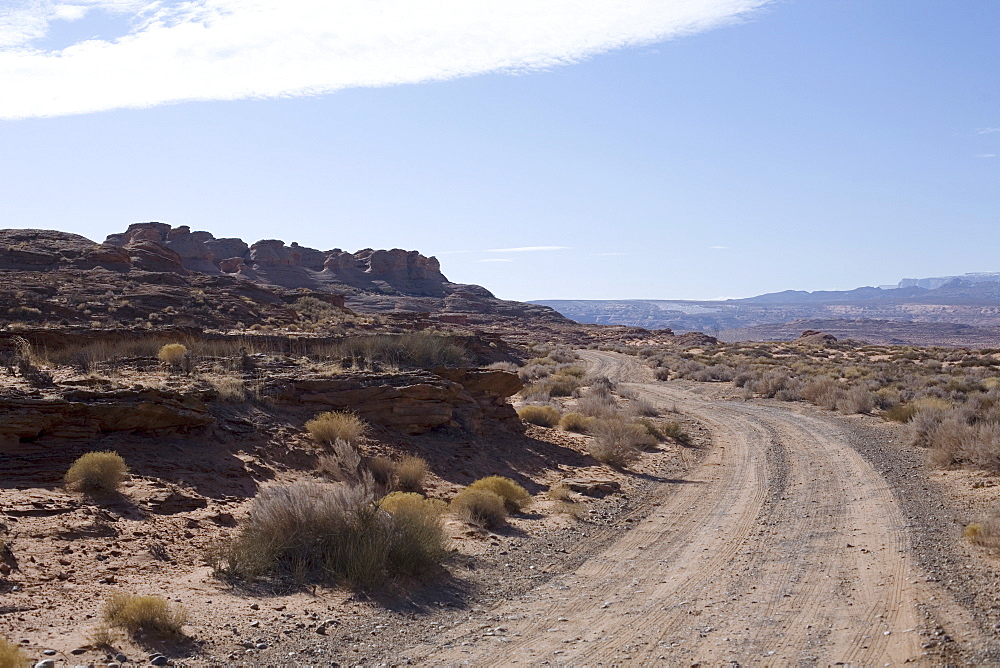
[{"x": 697, "y": 149}]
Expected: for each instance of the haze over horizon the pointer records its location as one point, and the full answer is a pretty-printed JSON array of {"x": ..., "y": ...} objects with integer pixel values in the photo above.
[{"x": 695, "y": 149}]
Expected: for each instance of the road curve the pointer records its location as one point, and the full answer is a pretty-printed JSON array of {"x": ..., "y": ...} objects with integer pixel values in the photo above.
[{"x": 783, "y": 546}]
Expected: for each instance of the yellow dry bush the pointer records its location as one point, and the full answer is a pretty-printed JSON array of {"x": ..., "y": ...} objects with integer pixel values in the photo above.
[
  {"x": 11, "y": 655},
  {"x": 543, "y": 416},
  {"x": 172, "y": 354},
  {"x": 420, "y": 540},
  {"x": 97, "y": 471},
  {"x": 410, "y": 472},
  {"x": 150, "y": 614},
  {"x": 480, "y": 506},
  {"x": 577, "y": 422},
  {"x": 332, "y": 425},
  {"x": 514, "y": 496}
]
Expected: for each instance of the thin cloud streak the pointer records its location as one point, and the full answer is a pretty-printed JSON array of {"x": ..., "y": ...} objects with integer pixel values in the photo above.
[
  {"x": 245, "y": 49},
  {"x": 987, "y": 131},
  {"x": 497, "y": 259},
  {"x": 986, "y": 155},
  {"x": 527, "y": 249}
]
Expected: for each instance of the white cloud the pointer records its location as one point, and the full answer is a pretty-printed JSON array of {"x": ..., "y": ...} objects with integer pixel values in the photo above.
[
  {"x": 527, "y": 249},
  {"x": 986, "y": 155},
  {"x": 987, "y": 131},
  {"x": 237, "y": 49}
]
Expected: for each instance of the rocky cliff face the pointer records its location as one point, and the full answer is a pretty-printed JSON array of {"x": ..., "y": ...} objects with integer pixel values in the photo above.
[
  {"x": 290, "y": 266},
  {"x": 66, "y": 276}
]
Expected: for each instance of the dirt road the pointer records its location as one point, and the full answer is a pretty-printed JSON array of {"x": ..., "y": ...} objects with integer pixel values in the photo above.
[{"x": 784, "y": 546}]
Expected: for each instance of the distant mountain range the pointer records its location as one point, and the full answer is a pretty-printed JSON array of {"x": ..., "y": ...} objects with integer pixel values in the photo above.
[{"x": 920, "y": 306}]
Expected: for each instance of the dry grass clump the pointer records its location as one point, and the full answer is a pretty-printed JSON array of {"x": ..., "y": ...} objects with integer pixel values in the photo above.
[
  {"x": 172, "y": 353},
  {"x": 661, "y": 373},
  {"x": 411, "y": 472},
  {"x": 102, "y": 471},
  {"x": 331, "y": 533},
  {"x": 330, "y": 426},
  {"x": 418, "y": 349},
  {"x": 564, "y": 502},
  {"x": 149, "y": 614},
  {"x": 230, "y": 388},
  {"x": 342, "y": 463},
  {"x": 576, "y": 422},
  {"x": 543, "y": 416},
  {"x": 514, "y": 496},
  {"x": 985, "y": 533},
  {"x": 856, "y": 400},
  {"x": 420, "y": 541},
  {"x": 479, "y": 506},
  {"x": 11, "y": 655}
]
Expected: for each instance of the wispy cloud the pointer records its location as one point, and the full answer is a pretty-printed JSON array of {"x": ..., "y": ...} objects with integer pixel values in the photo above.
[
  {"x": 606, "y": 254},
  {"x": 987, "y": 131},
  {"x": 986, "y": 155},
  {"x": 719, "y": 247},
  {"x": 237, "y": 49},
  {"x": 526, "y": 249},
  {"x": 497, "y": 259}
]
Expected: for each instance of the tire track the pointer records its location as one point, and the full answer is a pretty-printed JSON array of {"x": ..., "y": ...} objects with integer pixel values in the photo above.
[{"x": 784, "y": 546}]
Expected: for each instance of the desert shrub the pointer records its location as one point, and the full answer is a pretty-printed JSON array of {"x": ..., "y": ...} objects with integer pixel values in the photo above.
[
  {"x": 343, "y": 463},
  {"x": 560, "y": 493},
  {"x": 230, "y": 388},
  {"x": 677, "y": 432},
  {"x": 11, "y": 655},
  {"x": 616, "y": 442},
  {"x": 652, "y": 429},
  {"x": 172, "y": 354},
  {"x": 480, "y": 506},
  {"x": 418, "y": 349},
  {"x": 321, "y": 532},
  {"x": 149, "y": 614},
  {"x": 985, "y": 533},
  {"x": 543, "y": 416},
  {"x": 856, "y": 400},
  {"x": 922, "y": 425},
  {"x": 514, "y": 496},
  {"x": 383, "y": 471},
  {"x": 597, "y": 404},
  {"x": 817, "y": 390},
  {"x": 557, "y": 385},
  {"x": 572, "y": 371},
  {"x": 645, "y": 408},
  {"x": 97, "y": 471},
  {"x": 576, "y": 422},
  {"x": 900, "y": 412},
  {"x": 420, "y": 541},
  {"x": 661, "y": 373},
  {"x": 562, "y": 355},
  {"x": 410, "y": 472},
  {"x": 332, "y": 425}
]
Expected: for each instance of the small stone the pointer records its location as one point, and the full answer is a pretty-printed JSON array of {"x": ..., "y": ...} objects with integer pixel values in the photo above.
[
  {"x": 113, "y": 665},
  {"x": 255, "y": 623},
  {"x": 254, "y": 606},
  {"x": 158, "y": 660},
  {"x": 261, "y": 645},
  {"x": 50, "y": 652},
  {"x": 47, "y": 663},
  {"x": 121, "y": 658}
]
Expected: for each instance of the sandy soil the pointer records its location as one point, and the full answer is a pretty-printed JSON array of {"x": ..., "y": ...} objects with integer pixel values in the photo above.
[{"x": 785, "y": 546}]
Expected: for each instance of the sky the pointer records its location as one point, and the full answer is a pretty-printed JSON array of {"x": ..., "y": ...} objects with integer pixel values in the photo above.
[{"x": 567, "y": 149}]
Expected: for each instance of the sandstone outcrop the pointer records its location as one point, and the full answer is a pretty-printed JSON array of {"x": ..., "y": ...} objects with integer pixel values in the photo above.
[
  {"x": 87, "y": 414},
  {"x": 413, "y": 402}
]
